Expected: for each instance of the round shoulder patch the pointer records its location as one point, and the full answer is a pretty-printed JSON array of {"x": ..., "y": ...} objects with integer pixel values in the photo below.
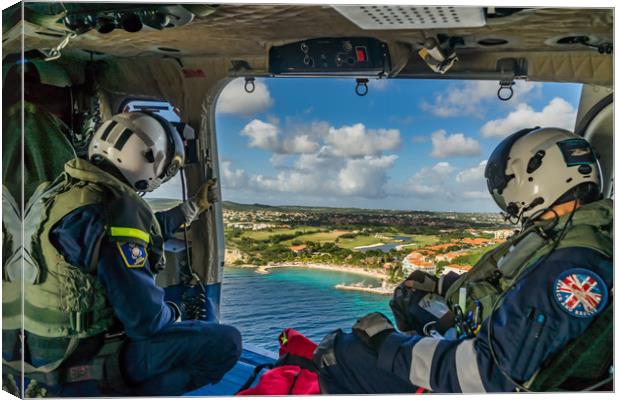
[{"x": 580, "y": 292}]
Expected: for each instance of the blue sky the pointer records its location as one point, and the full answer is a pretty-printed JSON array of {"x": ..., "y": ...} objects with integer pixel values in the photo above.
[{"x": 408, "y": 144}]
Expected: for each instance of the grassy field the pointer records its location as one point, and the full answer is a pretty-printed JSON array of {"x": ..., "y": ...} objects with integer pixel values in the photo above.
[
  {"x": 367, "y": 240},
  {"x": 473, "y": 255},
  {"x": 320, "y": 237},
  {"x": 360, "y": 240},
  {"x": 423, "y": 240},
  {"x": 266, "y": 234}
]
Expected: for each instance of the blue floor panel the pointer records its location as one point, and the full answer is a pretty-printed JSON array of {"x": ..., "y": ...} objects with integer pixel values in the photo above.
[{"x": 232, "y": 381}]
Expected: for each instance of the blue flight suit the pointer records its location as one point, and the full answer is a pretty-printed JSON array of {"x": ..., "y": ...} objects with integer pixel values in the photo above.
[
  {"x": 536, "y": 319},
  {"x": 161, "y": 356}
]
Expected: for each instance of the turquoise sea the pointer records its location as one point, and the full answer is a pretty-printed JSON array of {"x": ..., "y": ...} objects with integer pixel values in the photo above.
[{"x": 261, "y": 305}]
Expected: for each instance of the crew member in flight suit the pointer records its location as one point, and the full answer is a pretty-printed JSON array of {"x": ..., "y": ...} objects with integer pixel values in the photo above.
[
  {"x": 100, "y": 247},
  {"x": 526, "y": 304}
]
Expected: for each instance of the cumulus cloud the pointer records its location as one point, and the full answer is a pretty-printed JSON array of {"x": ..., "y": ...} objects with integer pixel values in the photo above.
[
  {"x": 267, "y": 136},
  {"x": 363, "y": 177},
  {"x": 430, "y": 181},
  {"x": 263, "y": 135},
  {"x": 357, "y": 141},
  {"x": 444, "y": 182},
  {"x": 472, "y": 175},
  {"x": 456, "y": 144},
  {"x": 366, "y": 176},
  {"x": 466, "y": 99},
  {"x": 235, "y": 100},
  {"x": 558, "y": 113},
  {"x": 232, "y": 178}
]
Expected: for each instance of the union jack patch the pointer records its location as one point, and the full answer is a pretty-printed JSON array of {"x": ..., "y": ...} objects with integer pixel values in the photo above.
[{"x": 580, "y": 292}]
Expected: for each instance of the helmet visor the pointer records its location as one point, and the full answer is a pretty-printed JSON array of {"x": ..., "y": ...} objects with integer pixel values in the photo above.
[{"x": 495, "y": 170}]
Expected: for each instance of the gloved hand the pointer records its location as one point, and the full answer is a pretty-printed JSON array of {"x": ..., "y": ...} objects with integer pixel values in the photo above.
[
  {"x": 422, "y": 281},
  {"x": 413, "y": 308},
  {"x": 206, "y": 196},
  {"x": 373, "y": 329}
]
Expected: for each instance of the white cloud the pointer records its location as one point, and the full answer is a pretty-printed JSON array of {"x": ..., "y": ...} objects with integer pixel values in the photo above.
[
  {"x": 476, "y": 195},
  {"x": 366, "y": 176},
  {"x": 558, "y": 113},
  {"x": 357, "y": 141},
  {"x": 300, "y": 145},
  {"x": 453, "y": 145},
  {"x": 235, "y": 100},
  {"x": 430, "y": 181},
  {"x": 267, "y": 136},
  {"x": 466, "y": 99},
  {"x": 362, "y": 177},
  {"x": 473, "y": 174},
  {"x": 442, "y": 182},
  {"x": 263, "y": 135},
  {"x": 232, "y": 178}
]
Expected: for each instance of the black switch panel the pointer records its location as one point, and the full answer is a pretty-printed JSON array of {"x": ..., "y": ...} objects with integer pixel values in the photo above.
[{"x": 331, "y": 56}]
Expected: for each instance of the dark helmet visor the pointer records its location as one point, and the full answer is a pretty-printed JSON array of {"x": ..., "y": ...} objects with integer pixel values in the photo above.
[{"x": 495, "y": 170}]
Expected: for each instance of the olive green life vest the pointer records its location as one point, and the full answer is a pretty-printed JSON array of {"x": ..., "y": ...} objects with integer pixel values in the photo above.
[
  {"x": 498, "y": 269},
  {"x": 591, "y": 227},
  {"x": 61, "y": 300}
]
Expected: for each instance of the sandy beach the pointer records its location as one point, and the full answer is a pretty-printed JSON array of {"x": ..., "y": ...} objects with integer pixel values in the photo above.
[{"x": 264, "y": 269}]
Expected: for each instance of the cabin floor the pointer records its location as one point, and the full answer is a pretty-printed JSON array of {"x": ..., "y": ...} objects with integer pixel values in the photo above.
[{"x": 236, "y": 377}]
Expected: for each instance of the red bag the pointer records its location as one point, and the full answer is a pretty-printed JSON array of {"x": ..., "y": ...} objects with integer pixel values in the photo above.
[{"x": 292, "y": 373}]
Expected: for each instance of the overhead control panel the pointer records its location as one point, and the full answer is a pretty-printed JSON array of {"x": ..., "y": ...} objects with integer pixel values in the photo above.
[{"x": 331, "y": 56}]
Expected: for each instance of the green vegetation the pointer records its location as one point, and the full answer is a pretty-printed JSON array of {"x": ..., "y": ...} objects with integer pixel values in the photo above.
[
  {"x": 334, "y": 235},
  {"x": 268, "y": 234},
  {"x": 473, "y": 255}
]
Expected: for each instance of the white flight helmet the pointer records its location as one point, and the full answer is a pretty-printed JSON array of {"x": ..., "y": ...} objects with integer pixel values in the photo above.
[
  {"x": 145, "y": 148},
  {"x": 534, "y": 169}
]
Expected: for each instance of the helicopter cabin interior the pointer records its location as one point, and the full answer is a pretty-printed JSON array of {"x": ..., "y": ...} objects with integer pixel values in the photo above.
[{"x": 186, "y": 54}]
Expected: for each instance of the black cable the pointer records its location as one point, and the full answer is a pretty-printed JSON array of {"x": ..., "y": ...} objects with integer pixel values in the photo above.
[
  {"x": 195, "y": 306},
  {"x": 557, "y": 240}
]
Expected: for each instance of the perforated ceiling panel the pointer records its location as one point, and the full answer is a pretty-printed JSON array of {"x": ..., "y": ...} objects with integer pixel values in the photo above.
[{"x": 413, "y": 17}]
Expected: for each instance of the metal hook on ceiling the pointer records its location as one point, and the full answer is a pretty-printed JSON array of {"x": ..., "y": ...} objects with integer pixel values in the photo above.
[
  {"x": 56, "y": 52},
  {"x": 505, "y": 91},
  {"x": 361, "y": 86},
  {"x": 250, "y": 85}
]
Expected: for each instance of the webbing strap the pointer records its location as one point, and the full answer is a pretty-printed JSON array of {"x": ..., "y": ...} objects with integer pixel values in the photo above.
[
  {"x": 31, "y": 369},
  {"x": 105, "y": 368},
  {"x": 78, "y": 321}
]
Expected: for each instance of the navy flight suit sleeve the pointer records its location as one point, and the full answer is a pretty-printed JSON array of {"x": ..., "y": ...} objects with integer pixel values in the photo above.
[
  {"x": 536, "y": 319},
  {"x": 137, "y": 301},
  {"x": 170, "y": 221}
]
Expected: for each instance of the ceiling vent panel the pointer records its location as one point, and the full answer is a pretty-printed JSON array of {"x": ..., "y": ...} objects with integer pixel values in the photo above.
[{"x": 412, "y": 17}]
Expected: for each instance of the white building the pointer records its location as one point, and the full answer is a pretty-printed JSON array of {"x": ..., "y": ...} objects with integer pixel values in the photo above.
[
  {"x": 459, "y": 269},
  {"x": 416, "y": 261},
  {"x": 503, "y": 234}
]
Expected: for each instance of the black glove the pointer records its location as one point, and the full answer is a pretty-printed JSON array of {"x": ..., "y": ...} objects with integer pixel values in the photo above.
[
  {"x": 422, "y": 281},
  {"x": 373, "y": 329},
  {"x": 415, "y": 304}
]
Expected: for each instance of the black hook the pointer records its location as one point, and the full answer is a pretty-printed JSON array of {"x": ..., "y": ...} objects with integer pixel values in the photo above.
[
  {"x": 361, "y": 87},
  {"x": 505, "y": 91},
  {"x": 249, "y": 85}
]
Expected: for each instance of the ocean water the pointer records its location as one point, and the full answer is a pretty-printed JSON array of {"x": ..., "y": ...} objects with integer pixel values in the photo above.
[{"x": 261, "y": 306}]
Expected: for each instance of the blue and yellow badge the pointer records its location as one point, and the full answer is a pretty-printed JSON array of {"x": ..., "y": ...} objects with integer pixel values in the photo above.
[{"x": 133, "y": 254}]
